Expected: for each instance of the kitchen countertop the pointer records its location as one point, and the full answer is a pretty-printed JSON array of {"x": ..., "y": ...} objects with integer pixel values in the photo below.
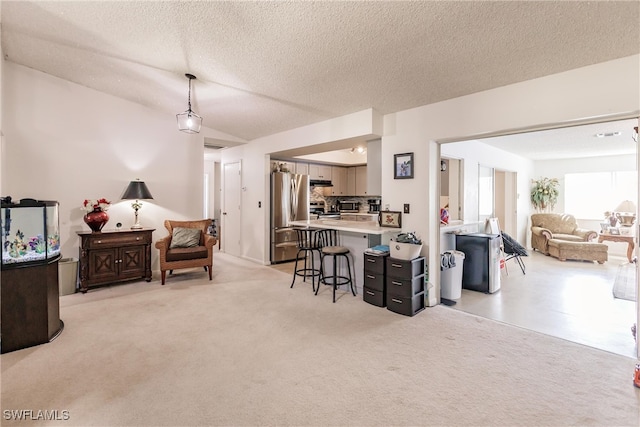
[{"x": 368, "y": 227}]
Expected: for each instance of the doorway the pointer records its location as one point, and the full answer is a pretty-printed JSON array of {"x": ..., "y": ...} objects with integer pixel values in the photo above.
[
  {"x": 505, "y": 204},
  {"x": 232, "y": 209},
  {"x": 559, "y": 150}
]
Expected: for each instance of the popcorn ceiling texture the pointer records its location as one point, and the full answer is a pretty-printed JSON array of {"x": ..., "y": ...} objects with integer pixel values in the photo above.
[{"x": 267, "y": 67}]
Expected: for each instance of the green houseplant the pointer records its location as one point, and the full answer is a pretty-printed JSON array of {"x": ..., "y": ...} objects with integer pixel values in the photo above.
[{"x": 544, "y": 194}]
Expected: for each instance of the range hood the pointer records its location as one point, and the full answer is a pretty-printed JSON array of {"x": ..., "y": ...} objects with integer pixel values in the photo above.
[{"x": 320, "y": 183}]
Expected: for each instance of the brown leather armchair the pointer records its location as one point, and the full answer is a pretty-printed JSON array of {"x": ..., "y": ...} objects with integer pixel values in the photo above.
[{"x": 194, "y": 252}]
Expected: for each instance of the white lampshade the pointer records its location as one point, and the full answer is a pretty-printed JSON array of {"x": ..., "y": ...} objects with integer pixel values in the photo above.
[{"x": 626, "y": 206}]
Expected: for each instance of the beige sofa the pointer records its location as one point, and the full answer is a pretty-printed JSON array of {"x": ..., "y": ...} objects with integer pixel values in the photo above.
[{"x": 547, "y": 226}]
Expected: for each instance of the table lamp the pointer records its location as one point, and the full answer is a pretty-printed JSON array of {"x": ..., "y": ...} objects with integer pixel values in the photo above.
[
  {"x": 626, "y": 213},
  {"x": 137, "y": 190}
]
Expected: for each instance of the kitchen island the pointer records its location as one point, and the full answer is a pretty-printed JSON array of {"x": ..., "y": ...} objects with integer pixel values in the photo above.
[{"x": 355, "y": 235}]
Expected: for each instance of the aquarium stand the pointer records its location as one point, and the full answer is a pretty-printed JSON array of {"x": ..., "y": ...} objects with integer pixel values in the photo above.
[{"x": 30, "y": 306}]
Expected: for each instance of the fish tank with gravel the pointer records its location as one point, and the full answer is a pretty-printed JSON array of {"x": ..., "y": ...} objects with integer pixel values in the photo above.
[{"x": 30, "y": 232}]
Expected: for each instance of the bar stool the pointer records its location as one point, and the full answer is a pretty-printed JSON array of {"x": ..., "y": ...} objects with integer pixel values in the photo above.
[
  {"x": 329, "y": 247},
  {"x": 308, "y": 243}
]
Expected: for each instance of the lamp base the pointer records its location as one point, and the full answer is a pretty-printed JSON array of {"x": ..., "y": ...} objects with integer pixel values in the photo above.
[{"x": 136, "y": 227}]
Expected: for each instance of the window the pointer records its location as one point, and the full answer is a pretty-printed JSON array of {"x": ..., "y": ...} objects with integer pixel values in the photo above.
[{"x": 589, "y": 195}]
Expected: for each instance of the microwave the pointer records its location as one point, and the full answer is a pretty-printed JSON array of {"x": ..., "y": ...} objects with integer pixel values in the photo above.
[{"x": 348, "y": 205}]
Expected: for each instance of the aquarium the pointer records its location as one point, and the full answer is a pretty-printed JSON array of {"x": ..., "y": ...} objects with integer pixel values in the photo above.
[{"x": 30, "y": 232}]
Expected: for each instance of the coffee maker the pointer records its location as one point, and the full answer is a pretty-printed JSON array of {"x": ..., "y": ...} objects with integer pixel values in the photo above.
[{"x": 374, "y": 205}]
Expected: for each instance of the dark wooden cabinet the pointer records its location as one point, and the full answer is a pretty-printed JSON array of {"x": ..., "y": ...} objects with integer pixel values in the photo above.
[
  {"x": 114, "y": 256},
  {"x": 30, "y": 306}
]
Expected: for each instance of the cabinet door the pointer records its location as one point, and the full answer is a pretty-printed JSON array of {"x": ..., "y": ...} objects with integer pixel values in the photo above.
[
  {"x": 361, "y": 180},
  {"x": 302, "y": 168},
  {"x": 103, "y": 265},
  {"x": 374, "y": 168},
  {"x": 339, "y": 181},
  {"x": 351, "y": 181},
  {"x": 319, "y": 171},
  {"x": 131, "y": 262}
]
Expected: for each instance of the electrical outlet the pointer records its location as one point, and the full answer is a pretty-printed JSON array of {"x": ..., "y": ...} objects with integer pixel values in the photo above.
[
  {"x": 259, "y": 204},
  {"x": 406, "y": 208}
]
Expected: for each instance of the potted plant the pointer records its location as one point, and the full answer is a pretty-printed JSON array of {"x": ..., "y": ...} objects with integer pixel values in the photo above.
[
  {"x": 407, "y": 246},
  {"x": 544, "y": 194}
]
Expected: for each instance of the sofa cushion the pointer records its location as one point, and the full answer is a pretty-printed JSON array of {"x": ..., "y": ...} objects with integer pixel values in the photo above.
[
  {"x": 184, "y": 254},
  {"x": 568, "y": 237},
  {"x": 185, "y": 237}
]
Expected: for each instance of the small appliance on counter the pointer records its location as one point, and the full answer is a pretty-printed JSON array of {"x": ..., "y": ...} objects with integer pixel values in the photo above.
[
  {"x": 348, "y": 205},
  {"x": 374, "y": 205},
  {"x": 316, "y": 208}
]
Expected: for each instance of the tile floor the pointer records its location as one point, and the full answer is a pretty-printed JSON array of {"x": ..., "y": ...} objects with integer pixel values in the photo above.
[{"x": 572, "y": 300}]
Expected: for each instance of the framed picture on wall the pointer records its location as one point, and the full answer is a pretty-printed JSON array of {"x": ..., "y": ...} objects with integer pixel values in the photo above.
[
  {"x": 403, "y": 166},
  {"x": 391, "y": 219}
]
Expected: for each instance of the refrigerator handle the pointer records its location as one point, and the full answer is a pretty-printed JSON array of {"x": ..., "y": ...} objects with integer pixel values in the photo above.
[{"x": 293, "y": 206}]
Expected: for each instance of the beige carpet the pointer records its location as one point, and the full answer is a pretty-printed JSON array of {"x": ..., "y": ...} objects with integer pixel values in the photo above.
[{"x": 245, "y": 349}]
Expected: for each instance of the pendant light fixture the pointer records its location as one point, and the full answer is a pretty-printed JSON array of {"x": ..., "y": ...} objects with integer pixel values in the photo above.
[{"x": 189, "y": 121}]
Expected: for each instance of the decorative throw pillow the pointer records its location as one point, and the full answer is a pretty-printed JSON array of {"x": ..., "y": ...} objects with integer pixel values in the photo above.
[{"x": 185, "y": 238}]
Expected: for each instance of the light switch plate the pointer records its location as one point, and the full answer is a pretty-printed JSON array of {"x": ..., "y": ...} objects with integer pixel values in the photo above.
[{"x": 406, "y": 208}]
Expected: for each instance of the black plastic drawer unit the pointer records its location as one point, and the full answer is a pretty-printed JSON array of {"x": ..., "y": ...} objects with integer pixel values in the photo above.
[
  {"x": 375, "y": 263},
  {"x": 374, "y": 281},
  {"x": 408, "y": 306},
  {"x": 375, "y": 287},
  {"x": 405, "y": 287},
  {"x": 375, "y": 297},
  {"x": 405, "y": 269}
]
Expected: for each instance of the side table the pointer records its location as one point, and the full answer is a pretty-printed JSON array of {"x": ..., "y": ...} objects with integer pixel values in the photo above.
[
  {"x": 114, "y": 256},
  {"x": 628, "y": 238}
]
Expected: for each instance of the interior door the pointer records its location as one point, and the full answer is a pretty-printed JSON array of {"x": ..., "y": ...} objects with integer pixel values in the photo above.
[
  {"x": 486, "y": 193},
  {"x": 506, "y": 195},
  {"x": 230, "y": 230}
]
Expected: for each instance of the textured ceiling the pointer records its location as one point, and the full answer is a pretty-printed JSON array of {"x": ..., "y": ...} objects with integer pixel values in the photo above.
[
  {"x": 265, "y": 67},
  {"x": 594, "y": 140}
]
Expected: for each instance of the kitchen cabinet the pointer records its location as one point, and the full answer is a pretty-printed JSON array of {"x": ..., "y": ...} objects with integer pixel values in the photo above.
[
  {"x": 319, "y": 171},
  {"x": 351, "y": 181},
  {"x": 339, "y": 181},
  {"x": 301, "y": 168},
  {"x": 114, "y": 256},
  {"x": 357, "y": 181},
  {"x": 374, "y": 168},
  {"x": 361, "y": 181}
]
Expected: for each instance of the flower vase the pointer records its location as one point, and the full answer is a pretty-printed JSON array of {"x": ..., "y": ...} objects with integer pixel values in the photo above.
[{"x": 96, "y": 219}]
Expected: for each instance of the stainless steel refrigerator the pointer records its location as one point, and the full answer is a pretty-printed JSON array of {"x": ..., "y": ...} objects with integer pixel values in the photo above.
[
  {"x": 481, "y": 268},
  {"x": 289, "y": 202}
]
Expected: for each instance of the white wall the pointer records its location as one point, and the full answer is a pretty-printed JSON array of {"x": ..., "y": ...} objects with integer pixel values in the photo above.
[
  {"x": 593, "y": 91},
  {"x": 598, "y": 90},
  {"x": 476, "y": 153},
  {"x": 254, "y": 158},
  {"x": 66, "y": 142}
]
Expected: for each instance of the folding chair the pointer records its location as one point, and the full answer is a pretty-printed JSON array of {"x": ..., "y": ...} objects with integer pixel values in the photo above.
[{"x": 513, "y": 250}]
